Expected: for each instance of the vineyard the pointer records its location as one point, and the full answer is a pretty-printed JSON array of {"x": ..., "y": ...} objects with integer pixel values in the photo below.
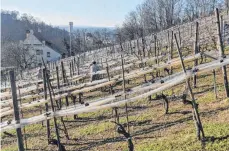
[{"x": 171, "y": 95}]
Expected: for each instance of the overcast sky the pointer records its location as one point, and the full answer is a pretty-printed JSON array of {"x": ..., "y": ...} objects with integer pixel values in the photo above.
[{"x": 100, "y": 13}]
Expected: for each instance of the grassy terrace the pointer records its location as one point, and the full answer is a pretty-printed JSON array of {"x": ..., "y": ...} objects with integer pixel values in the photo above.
[{"x": 150, "y": 128}]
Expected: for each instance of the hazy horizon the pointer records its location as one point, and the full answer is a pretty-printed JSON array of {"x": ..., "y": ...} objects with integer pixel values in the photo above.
[
  {"x": 89, "y": 13},
  {"x": 84, "y": 26}
]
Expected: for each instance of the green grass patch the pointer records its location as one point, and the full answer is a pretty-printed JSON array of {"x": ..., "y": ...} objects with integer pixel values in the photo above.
[
  {"x": 95, "y": 128},
  {"x": 208, "y": 97}
]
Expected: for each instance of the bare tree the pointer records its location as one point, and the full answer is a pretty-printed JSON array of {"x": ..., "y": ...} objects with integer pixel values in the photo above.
[
  {"x": 120, "y": 37},
  {"x": 200, "y": 8},
  {"x": 16, "y": 55},
  {"x": 130, "y": 28},
  {"x": 77, "y": 41}
]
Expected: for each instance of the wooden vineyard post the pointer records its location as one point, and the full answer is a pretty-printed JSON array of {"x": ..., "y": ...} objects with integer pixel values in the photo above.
[
  {"x": 58, "y": 87},
  {"x": 70, "y": 71},
  {"x": 70, "y": 67},
  {"x": 179, "y": 35},
  {"x": 24, "y": 132},
  {"x": 142, "y": 66},
  {"x": 222, "y": 28},
  {"x": 196, "y": 116},
  {"x": 143, "y": 43},
  {"x": 46, "y": 104},
  {"x": 74, "y": 102},
  {"x": 131, "y": 49},
  {"x": 56, "y": 63},
  {"x": 78, "y": 65},
  {"x": 57, "y": 77},
  {"x": 138, "y": 46},
  {"x": 214, "y": 80},
  {"x": 60, "y": 104},
  {"x": 75, "y": 63},
  {"x": 124, "y": 92},
  {"x": 52, "y": 106},
  {"x": 155, "y": 48},
  {"x": 171, "y": 51},
  {"x": 116, "y": 115},
  {"x": 102, "y": 62},
  {"x": 109, "y": 78},
  {"x": 73, "y": 70},
  {"x": 47, "y": 122},
  {"x": 63, "y": 72},
  {"x": 2, "y": 73},
  {"x": 196, "y": 46},
  {"x": 221, "y": 48},
  {"x": 167, "y": 47},
  {"x": 66, "y": 99},
  {"x": 7, "y": 76},
  {"x": 44, "y": 84},
  {"x": 80, "y": 98},
  {"x": 157, "y": 60},
  {"x": 16, "y": 111}
]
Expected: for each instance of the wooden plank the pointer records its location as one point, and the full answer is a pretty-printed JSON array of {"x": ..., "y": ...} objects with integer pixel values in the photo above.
[{"x": 214, "y": 83}]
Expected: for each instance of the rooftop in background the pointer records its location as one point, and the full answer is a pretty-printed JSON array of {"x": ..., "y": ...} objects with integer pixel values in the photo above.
[{"x": 38, "y": 39}]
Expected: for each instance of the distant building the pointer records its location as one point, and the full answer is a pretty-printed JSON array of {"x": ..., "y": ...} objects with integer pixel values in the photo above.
[{"x": 39, "y": 47}]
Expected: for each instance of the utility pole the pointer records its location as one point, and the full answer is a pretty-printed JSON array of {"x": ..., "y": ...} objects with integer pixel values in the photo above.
[{"x": 70, "y": 36}]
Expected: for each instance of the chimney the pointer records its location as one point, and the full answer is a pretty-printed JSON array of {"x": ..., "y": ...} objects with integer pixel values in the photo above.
[
  {"x": 43, "y": 43},
  {"x": 27, "y": 33}
]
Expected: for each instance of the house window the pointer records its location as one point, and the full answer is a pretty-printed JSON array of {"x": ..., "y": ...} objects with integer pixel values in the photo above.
[
  {"x": 48, "y": 54},
  {"x": 39, "y": 52},
  {"x": 39, "y": 64}
]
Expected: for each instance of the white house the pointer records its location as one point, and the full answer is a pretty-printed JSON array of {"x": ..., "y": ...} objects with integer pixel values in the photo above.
[{"x": 39, "y": 47}]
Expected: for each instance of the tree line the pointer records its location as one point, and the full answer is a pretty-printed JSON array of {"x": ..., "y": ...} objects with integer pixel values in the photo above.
[
  {"x": 13, "y": 29},
  {"x": 153, "y": 16}
]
